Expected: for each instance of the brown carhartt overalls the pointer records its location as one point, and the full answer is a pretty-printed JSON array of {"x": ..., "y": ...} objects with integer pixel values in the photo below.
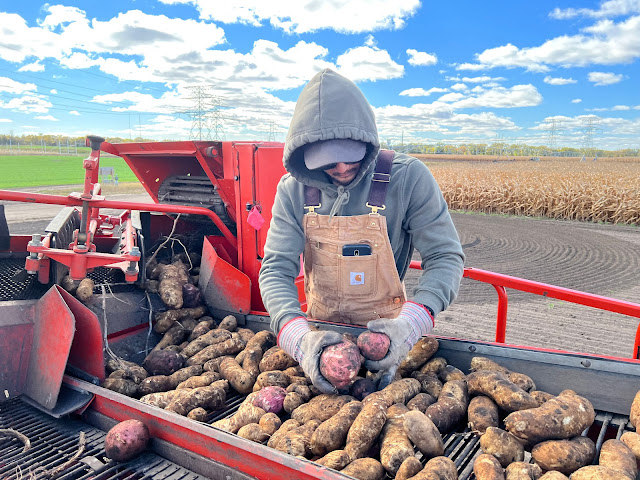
[{"x": 351, "y": 289}]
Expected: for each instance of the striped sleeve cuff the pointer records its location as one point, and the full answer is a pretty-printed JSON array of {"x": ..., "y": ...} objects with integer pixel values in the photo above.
[
  {"x": 290, "y": 336},
  {"x": 419, "y": 317}
]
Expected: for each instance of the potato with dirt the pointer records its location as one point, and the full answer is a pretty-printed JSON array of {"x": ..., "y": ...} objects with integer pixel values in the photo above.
[
  {"x": 565, "y": 456},
  {"x": 281, "y": 431},
  {"x": 419, "y": 354},
  {"x": 272, "y": 378},
  {"x": 239, "y": 379},
  {"x": 126, "y": 440},
  {"x": 210, "y": 338},
  {"x": 524, "y": 471},
  {"x": 366, "y": 427},
  {"x": 276, "y": 359},
  {"x": 362, "y": 387},
  {"x": 203, "y": 380},
  {"x": 433, "y": 365},
  {"x": 228, "y": 347},
  {"x": 482, "y": 413},
  {"x": 211, "y": 397},
  {"x": 171, "y": 279},
  {"x": 296, "y": 442},
  {"x": 121, "y": 385},
  {"x": 399, "y": 391},
  {"x": 332, "y": 433},
  {"x": 163, "y": 362},
  {"x": 395, "y": 446},
  {"x": 451, "y": 407},
  {"x": 507, "y": 395},
  {"x": 421, "y": 401},
  {"x": 423, "y": 433},
  {"x": 617, "y": 456},
  {"x": 598, "y": 472},
  {"x": 253, "y": 432},
  {"x": 632, "y": 440},
  {"x": 429, "y": 383},
  {"x": 487, "y": 467},
  {"x": 373, "y": 345},
  {"x": 502, "y": 445},
  {"x": 410, "y": 467},
  {"x": 321, "y": 408},
  {"x": 340, "y": 363},
  {"x": 164, "y": 320},
  {"x": 564, "y": 416},
  {"x": 438, "y": 468},
  {"x": 338, "y": 459},
  {"x": 365, "y": 469}
]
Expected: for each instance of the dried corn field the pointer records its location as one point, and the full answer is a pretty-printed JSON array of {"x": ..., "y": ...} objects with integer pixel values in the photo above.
[{"x": 602, "y": 191}]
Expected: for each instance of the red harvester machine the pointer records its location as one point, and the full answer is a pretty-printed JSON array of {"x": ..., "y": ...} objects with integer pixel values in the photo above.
[{"x": 52, "y": 347}]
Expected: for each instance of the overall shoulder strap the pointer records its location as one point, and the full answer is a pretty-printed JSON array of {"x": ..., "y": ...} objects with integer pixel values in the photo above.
[{"x": 380, "y": 180}]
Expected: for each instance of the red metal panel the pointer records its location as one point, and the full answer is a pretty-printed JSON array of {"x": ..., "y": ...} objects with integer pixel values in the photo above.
[
  {"x": 269, "y": 171},
  {"x": 53, "y": 332},
  {"x": 87, "y": 346},
  {"x": 249, "y": 457},
  {"x": 16, "y": 334},
  {"x": 223, "y": 286}
]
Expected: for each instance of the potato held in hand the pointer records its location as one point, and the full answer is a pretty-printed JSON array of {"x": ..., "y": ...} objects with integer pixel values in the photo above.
[
  {"x": 340, "y": 363},
  {"x": 373, "y": 345},
  {"x": 126, "y": 440}
]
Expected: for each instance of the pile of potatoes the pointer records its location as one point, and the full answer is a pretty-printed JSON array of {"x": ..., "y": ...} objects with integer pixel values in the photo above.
[{"x": 370, "y": 434}]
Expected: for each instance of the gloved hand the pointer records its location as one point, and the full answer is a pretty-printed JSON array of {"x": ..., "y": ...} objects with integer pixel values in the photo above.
[
  {"x": 305, "y": 345},
  {"x": 413, "y": 322}
]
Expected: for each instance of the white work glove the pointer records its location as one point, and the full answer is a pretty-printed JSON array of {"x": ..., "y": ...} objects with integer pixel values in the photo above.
[
  {"x": 413, "y": 322},
  {"x": 305, "y": 346}
]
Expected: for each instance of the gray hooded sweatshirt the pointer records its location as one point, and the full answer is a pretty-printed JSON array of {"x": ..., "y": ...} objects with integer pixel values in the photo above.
[{"x": 331, "y": 106}]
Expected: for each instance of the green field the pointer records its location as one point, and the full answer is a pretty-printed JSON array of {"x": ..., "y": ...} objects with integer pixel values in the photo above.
[{"x": 18, "y": 171}]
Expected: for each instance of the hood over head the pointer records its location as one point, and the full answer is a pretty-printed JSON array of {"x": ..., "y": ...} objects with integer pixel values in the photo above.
[{"x": 329, "y": 107}]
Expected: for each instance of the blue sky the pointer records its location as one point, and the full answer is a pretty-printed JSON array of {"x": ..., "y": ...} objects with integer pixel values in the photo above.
[{"x": 452, "y": 72}]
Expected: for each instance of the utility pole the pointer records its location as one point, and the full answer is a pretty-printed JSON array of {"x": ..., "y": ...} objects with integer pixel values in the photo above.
[
  {"x": 272, "y": 132},
  {"x": 199, "y": 127}
]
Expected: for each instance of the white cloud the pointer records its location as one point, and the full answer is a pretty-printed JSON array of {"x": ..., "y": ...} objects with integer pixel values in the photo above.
[
  {"x": 421, "y": 92},
  {"x": 11, "y": 86},
  {"x": 46, "y": 117},
  {"x": 559, "y": 80},
  {"x": 459, "y": 86},
  {"x": 58, "y": 15},
  {"x": 28, "y": 104},
  {"x": 367, "y": 63},
  {"x": 600, "y": 79},
  {"x": 5, "y": 120},
  {"x": 74, "y": 112},
  {"x": 303, "y": 16},
  {"x": 607, "y": 9},
  {"x": 497, "y": 97},
  {"x": 417, "y": 58},
  {"x": 576, "y": 100},
  {"x": 621, "y": 108},
  {"x": 53, "y": 91},
  {"x": 32, "y": 67},
  {"x": 481, "y": 79},
  {"x": 604, "y": 43}
]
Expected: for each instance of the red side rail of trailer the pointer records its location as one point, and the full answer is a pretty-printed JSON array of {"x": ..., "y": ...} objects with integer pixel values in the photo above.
[{"x": 500, "y": 282}]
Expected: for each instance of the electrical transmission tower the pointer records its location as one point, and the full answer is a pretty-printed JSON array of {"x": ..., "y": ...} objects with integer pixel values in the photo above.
[
  {"x": 273, "y": 128},
  {"x": 554, "y": 126},
  {"x": 206, "y": 115},
  {"x": 216, "y": 118},
  {"x": 590, "y": 126},
  {"x": 199, "y": 128}
]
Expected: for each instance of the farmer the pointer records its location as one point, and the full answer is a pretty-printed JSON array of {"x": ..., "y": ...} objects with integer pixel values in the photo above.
[{"x": 356, "y": 213}]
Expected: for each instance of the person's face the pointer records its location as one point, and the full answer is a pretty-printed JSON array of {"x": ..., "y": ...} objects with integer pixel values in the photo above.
[{"x": 343, "y": 173}]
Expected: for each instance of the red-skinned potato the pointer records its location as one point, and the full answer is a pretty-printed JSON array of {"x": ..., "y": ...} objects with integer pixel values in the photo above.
[
  {"x": 340, "y": 363},
  {"x": 373, "y": 345},
  {"x": 126, "y": 440}
]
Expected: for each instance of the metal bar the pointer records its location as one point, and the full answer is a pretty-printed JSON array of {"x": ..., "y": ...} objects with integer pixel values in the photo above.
[
  {"x": 544, "y": 289},
  {"x": 102, "y": 203}
]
